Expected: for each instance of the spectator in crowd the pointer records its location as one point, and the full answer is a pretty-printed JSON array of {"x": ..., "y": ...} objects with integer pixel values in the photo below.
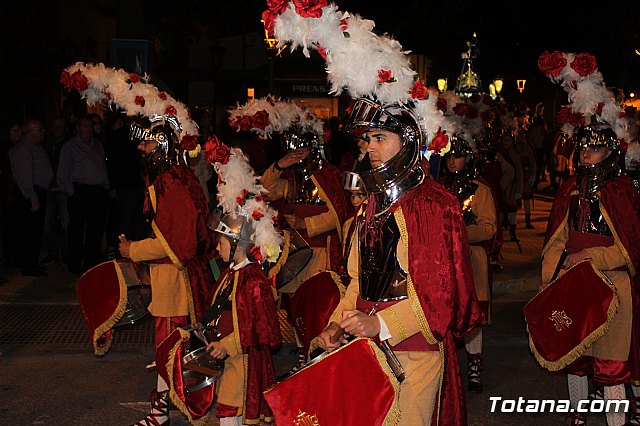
[
  {"x": 32, "y": 173},
  {"x": 537, "y": 138},
  {"x": 9, "y": 197},
  {"x": 82, "y": 173},
  {"x": 56, "y": 222}
]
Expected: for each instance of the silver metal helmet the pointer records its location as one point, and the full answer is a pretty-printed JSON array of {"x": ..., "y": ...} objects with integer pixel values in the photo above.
[
  {"x": 163, "y": 130},
  {"x": 391, "y": 179},
  {"x": 597, "y": 134},
  {"x": 236, "y": 227},
  {"x": 351, "y": 181}
]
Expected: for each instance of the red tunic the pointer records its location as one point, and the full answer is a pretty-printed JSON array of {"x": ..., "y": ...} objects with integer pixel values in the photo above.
[
  {"x": 620, "y": 200},
  {"x": 181, "y": 220}
]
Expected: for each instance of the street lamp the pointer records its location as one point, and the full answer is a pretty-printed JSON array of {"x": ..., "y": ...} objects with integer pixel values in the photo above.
[
  {"x": 521, "y": 85},
  {"x": 272, "y": 42},
  {"x": 442, "y": 85},
  {"x": 497, "y": 83}
]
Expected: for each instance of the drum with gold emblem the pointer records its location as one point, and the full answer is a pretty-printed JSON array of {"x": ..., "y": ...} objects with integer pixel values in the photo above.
[
  {"x": 354, "y": 386},
  {"x": 569, "y": 315}
]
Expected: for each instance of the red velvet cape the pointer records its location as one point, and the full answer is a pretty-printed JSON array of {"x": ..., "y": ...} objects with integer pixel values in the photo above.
[
  {"x": 440, "y": 268},
  {"x": 259, "y": 330},
  {"x": 181, "y": 215},
  {"x": 620, "y": 200}
]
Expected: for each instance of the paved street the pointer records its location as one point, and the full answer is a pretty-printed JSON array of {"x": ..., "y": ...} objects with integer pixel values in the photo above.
[{"x": 49, "y": 375}]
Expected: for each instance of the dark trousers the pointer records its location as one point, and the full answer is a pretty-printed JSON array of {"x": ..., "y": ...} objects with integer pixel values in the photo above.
[
  {"x": 11, "y": 209},
  {"x": 540, "y": 158},
  {"x": 31, "y": 225},
  {"x": 87, "y": 220}
]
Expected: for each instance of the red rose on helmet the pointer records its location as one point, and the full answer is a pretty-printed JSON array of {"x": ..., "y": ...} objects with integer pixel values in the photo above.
[
  {"x": 65, "y": 80},
  {"x": 584, "y": 64},
  {"x": 240, "y": 199},
  {"x": 269, "y": 18},
  {"x": 599, "y": 108},
  {"x": 134, "y": 78},
  {"x": 256, "y": 215},
  {"x": 189, "y": 142},
  {"x": 551, "y": 63},
  {"x": 309, "y": 8},
  {"x": 419, "y": 91},
  {"x": 440, "y": 141},
  {"x": 79, "y": 82},
  {"x": 277, "y": 6},
  {"x": 162, "y": 96},
  {"x": 385, "y": 76},
  {"x": 261, "y": 119},
  {"x": 139, "y": 100},
  {"x": 170, "y": 110},
  {"x": 441, "y": 104},
  {"x": 216, "y": 152}
]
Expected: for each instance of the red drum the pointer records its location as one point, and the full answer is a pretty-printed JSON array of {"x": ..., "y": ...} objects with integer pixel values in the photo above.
[
  {"x": 111, "y": 294},
  {"x": 569, "y": 315},
  {"x": 190, "y": 374},
  {"x": 352, "y": 385},
  {"x": 313, "y": 303}
]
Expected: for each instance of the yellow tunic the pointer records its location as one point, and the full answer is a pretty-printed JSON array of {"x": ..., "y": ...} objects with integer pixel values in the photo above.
[
  {"x": 168, "y": 287},
  {"x": 316, "y": 225},
  {"x": 615, "y": 344},
  {"x": 484, "y": 229}
]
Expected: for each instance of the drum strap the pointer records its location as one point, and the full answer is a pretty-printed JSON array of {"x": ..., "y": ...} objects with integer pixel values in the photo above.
[{"x": 221, "y": 302}]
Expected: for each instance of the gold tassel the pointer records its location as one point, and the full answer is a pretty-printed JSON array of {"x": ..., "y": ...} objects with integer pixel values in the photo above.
[{"x": 114, "y": 318}]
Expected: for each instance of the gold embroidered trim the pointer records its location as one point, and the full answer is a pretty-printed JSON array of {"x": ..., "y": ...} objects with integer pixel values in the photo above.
[
  {"x": 576, "y": 352},
  {"x": 396, "y": 321},
  {"x": 616, "y": 238},
  {"x": 284, "y": 255},
  {"x": 393, "y": 416},
  {"x": 411, "y": 291},
  {"x": 113, "y": 319},
  {"x": 558, "y": 231},
  {"x": 332, "y": 209},
  {"x": 185, "y": 337},
  {"x": 441, "y": 353}
]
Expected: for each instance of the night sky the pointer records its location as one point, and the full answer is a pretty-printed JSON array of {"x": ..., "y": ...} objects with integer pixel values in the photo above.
[
  {"x": 36, "y": 40},
  {"x": 511, "y": 34}
]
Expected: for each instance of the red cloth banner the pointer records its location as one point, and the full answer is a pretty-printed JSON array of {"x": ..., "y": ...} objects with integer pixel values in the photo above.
[
  {"x": 569, "y": 315},
  {"x": 350, "y": 386}
]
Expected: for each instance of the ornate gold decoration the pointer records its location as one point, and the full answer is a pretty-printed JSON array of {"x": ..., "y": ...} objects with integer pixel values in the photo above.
[
  {"x": 305, "y": 419},
  {"x": 560, "y": 320}
]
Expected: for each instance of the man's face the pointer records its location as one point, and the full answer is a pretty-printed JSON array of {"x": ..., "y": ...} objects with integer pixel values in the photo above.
[
  {"x": 593, "y": 155},
  {"x": 147, "y": 147},
  {"x": 455, "y": 164},
  {"x": 85, "y": 130},
  {"x": 35, "y": 131},
  {"x": 383, "y": 146},
  {"x": 59, "y": 129},
  {"x": 15, "y": 133}
]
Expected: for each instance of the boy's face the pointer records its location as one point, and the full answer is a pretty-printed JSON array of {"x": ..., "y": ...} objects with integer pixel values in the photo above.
[
  {"x": 357, "y": 198},
  {"x": 224, "y": 247},
  {"x": 456, "y": 164}
]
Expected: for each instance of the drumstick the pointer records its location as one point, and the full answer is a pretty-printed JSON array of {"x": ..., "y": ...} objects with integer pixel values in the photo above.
[{"x": 563, "y": 257}]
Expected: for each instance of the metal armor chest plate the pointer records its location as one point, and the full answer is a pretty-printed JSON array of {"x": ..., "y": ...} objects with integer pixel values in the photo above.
[
  {"x": 595, "y": 223},
  {"x": 381, "y": 277}
]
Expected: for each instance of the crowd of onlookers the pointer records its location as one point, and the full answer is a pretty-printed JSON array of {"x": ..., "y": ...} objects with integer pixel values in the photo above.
[{"x": 73, "y": 185}]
